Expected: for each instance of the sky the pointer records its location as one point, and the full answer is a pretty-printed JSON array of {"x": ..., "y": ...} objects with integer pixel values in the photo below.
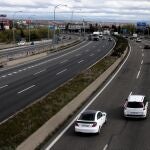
[{"x": 90, "y": 10}]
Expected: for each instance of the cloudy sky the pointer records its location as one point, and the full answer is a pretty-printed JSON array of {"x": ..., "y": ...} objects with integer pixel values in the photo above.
[{"x": 99, "y": 10}]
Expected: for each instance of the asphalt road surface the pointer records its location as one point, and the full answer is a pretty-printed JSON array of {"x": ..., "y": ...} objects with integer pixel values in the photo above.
[
  {"x": 23, "y": 84},
  {"x": 119, "y": 133}
]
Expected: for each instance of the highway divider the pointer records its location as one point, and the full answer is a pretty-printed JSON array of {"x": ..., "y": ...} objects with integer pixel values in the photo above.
[
  {"x": 26, "y": 129},
  {"x": 8, "y": 60}
]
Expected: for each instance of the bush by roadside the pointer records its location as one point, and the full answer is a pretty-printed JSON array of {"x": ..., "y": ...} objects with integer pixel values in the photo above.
[{"x": 17, "y": 129}]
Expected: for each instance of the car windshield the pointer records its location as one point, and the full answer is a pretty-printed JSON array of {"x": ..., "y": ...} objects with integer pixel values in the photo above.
[
  {"x": 88, "y": 117},
  {"x": 135, "y": 105}
]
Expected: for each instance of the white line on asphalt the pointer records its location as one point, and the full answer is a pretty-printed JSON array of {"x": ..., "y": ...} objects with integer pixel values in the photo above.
[
  {"x": 3, "y": 86},
  {"x": 78, "y": 55},
  {"x": 105, "y": 147},
  {"x": 4, "y": 76},
  {"x": 139, "y": 72},
  {"x": 142, "y": 54},
  {"x": 61, "y": 72},
  {"x": 69, "y": 125},
  {"x": 14, "y": 72},
  {"x": 141, "y": 62},
  {"x": 19, "y": 70},
  {"x": 40, "y": 72},
  {"x": 63, "y": 61},
  {"x": 80, "y": 61},
  {"x": 26, "y": 89},
  {"x": 9, "y": 74},
  {"x": 130, "y": 94},
  {"x": 91, "y": 55},
  {"x": 142, "y": 50}
]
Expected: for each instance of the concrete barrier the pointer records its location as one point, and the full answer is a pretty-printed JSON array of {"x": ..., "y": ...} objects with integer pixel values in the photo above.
[
  {"x": 29, "y": 58},
  {"x": 51, "y": 125}
]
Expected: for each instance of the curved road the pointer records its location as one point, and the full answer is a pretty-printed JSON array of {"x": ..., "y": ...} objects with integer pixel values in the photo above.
[
  {"x": 23, "y": 84},
  {"x": 119, "y": 133}
]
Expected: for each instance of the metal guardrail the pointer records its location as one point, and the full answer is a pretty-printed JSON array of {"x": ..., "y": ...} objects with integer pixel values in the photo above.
[{"x": 33, "y": 51}]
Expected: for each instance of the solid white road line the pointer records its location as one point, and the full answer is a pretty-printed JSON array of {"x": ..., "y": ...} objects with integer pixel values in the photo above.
[
  {"x": 80, "y": 61},
  {"x": 94, "y": 98},
  {"x": 61, "y": 72},
  {"x": 105, "y": 147},
  {"x": 40, "y": 72},
  {"x": 3, "y": 86},
  {"x": 26, "y": 89}
]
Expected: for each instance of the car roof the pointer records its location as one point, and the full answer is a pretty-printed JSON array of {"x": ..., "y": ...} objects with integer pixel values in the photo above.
[
  {"x": 90, "y": 112},
  {"x": 136, "y": 98}
]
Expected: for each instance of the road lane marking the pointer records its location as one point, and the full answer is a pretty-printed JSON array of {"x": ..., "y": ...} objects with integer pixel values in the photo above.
[
  {"x": 61, "y": 72},
  {"x": 142, "y": 54},
  {"x": 142, "y": 50},
  {"x": 14, "y": 72},
  {"x": 94, "y": 98},
  {"x": 138, "y": 74},
  {"x": 3, "y": 86},
  {"x": 26, "y": 89},
  {"x": 91, "y": 55},
  {"x": 63, "y": 61},
  {"x": 4, "y": 76},
  {"x": 130, "y": 94},
  {"x": 141, "y": 62},
  {"x": 9, "y": 74},
  {"x": 78, "y": 55},
  {"x": 40, "y": 72},
  {"x": 105, "y": 147},
  {"x": 80, "y": 61}
]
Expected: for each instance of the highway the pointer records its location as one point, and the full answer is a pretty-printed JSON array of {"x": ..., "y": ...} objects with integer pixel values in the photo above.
[
  {"x": 119, "y": 133},
  {"x": 23, "y": 84}
]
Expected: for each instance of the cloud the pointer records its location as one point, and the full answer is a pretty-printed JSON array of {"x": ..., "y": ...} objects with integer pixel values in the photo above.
[{"x": 95, "y": 9}]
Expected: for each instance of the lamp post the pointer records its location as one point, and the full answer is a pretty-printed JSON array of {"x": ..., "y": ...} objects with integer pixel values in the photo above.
[
  {"x": 29, "y": 26},
  {"x": 14, "y": 26},
  {"x": 54, "y": 21}
]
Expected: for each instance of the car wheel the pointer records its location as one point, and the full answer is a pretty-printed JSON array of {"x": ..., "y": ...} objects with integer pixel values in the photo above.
[
  {"x": 99, "y": 130},
  {"x": 105, "y": 120}
]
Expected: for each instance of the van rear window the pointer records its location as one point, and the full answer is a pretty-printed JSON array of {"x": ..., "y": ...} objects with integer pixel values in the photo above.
[{"x": 135, "y": 105}]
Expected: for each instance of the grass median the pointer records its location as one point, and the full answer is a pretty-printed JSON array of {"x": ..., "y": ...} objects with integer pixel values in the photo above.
[{"x": 16, "y": 130}]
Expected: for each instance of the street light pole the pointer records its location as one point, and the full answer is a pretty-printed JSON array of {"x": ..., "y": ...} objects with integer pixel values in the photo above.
[
  {"x": 54, "y": 22},
  {"x": 14, "y": 41},
  {"x": 29, "y": 27}
]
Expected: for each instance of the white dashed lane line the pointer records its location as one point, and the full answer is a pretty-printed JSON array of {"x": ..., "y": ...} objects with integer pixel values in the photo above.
[
  {"x": 63, "y": 61},
  {"x": 80, "y": 61},
  {"x": 39, "y": 72},
  {"x": 78, "y": 55},
  {"x": 3, "y": 86},
  {"x": 142, "y": 54},
  {"x": 91, "y": 55},
  {"x": 105, "y": 147},
  {"x": 61, "y": 72},
  {"x": 26, "y": 89},
  {"x": 139, "y": 73},
  {"x": 141, "y": 62}
]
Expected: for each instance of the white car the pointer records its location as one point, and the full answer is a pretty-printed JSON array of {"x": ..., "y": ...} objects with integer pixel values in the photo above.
[
  {"x": 21, "y": 43},
  {"x": 138, "y": 40},
  {"x": 136, "y": 106},
  {"x": 90, "y": 121}
]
